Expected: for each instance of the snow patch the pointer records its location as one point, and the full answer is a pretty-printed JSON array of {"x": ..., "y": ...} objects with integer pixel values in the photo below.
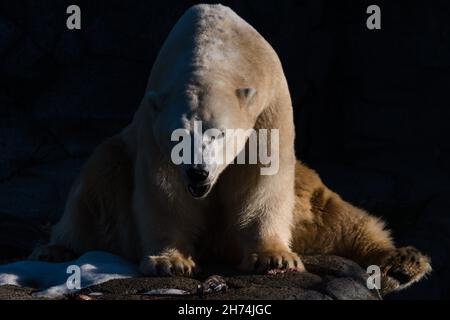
[{"x": 50, "y": 278}]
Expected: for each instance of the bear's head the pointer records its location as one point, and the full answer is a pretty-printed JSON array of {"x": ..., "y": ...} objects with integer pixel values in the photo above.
[{"x": 203, "y": 130}]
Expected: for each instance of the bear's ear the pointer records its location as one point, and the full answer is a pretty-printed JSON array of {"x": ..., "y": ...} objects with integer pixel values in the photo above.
[
  {"x": 246, "y": 95},
  {"x": 154, "y": 100}
]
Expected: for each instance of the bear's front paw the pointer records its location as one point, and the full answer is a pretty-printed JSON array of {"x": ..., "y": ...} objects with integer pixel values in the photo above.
[
  {"x": 171, "y": 263},
  {"x": 402, "y": 267},
  {"x": 263, "y": 262}
]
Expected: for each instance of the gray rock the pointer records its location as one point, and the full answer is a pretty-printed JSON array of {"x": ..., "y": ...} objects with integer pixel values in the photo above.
[
  {"x": 269, "y": 293},
  {"x": 348, "y": 289},
  {"x": 334, "y": 266},
  {"x": 304, "y": 280},
  {"x": 16, "y": 293},
  {"x": 332, "y": 278}
]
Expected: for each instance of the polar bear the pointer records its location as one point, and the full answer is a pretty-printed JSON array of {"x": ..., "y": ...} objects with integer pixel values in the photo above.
[{"x": 133, "y": 200}]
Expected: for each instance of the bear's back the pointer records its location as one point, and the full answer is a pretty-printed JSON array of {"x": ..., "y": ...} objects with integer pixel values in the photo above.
[{"x": 209, "y": 38}]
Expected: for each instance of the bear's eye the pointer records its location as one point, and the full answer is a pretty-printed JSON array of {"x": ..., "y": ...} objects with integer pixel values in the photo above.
[{"x": 246, "y": 95}]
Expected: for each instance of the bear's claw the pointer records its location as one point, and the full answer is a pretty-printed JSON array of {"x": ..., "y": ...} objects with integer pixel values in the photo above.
[
  {"x": 167, "y": 264},
  {"x": 402, "y": 267},
  {"x": 263, "y": 262}
]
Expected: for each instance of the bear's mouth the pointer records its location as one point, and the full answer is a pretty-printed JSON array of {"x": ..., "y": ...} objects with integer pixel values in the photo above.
[{"x": 198, "y": 191}]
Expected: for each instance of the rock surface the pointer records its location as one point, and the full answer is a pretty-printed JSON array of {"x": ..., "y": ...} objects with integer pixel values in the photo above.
[{"x": 330, "y": 278}]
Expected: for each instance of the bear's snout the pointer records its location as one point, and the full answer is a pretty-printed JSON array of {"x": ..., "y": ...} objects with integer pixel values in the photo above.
[
  {"x": 197, "y": 176},
  {"x": 198, "y": 184}
]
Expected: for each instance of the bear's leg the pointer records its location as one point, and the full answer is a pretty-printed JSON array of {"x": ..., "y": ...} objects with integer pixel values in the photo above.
[
  {"x": 165, "y": 256},
  {"x": 167, "y": 234},
  {"x": 266, "y": 236},
  {"x": 339, "y": 228},
  {"x": 70, "y": 236},
  {"x": 97, "y": 200},
  {"x": 371, "y": 245},
  {"x": 166, "y": 245},
  {"x": 62, "y": 239}
]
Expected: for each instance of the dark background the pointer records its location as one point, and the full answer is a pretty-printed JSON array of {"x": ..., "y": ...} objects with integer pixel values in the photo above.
[{"x": 371, "y": 106}]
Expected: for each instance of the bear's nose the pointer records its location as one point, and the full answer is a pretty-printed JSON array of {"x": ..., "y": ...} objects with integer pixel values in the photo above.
[{"x": 197, "y": 175}]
